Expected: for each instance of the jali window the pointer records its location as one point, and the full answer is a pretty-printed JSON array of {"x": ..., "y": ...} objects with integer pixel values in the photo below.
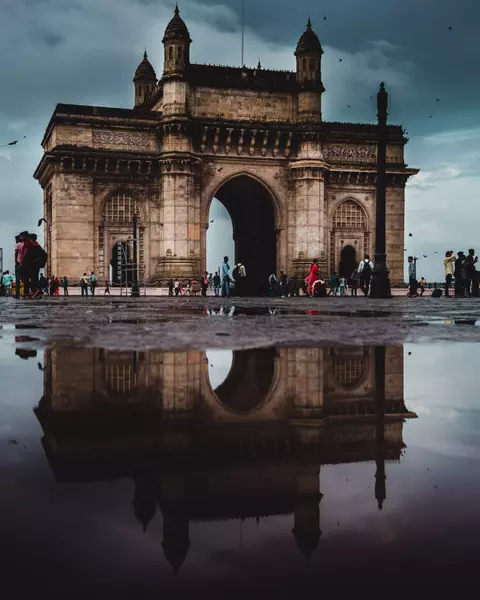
[
  {"x": 120, "y": 208},
  {"x": 349, "y": 215}
]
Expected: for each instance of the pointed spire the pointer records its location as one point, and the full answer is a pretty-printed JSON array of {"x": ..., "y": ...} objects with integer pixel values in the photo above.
[
  {"x": 259, "y": 66},
  {"x": 177, "y": 11},
  {"x": 309, "y": 24},
  {"x": 145, "y": 55}
]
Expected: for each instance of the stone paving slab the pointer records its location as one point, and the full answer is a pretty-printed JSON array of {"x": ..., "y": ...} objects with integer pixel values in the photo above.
[{"x": 198, "y": 323}]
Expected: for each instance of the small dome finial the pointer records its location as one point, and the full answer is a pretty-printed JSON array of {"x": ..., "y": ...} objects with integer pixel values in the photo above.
[
  {"x": 145, "y": 55},
  {"x": 309, "y": 24},
  {"x": 259, "y": 66},
  {"x": 177, "y": 11}
]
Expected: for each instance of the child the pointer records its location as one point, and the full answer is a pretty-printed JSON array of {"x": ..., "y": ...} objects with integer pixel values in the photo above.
[{"x": 342, "y": 287}]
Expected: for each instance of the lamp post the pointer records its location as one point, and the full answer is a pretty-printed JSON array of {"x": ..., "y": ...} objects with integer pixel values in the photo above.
[
  {"x": 135, "y": 291},
  {"x": 380, "y": 287}
]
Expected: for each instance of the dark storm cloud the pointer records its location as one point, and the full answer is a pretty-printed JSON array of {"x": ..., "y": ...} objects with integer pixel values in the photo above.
[{"x": 51, "y": 38}]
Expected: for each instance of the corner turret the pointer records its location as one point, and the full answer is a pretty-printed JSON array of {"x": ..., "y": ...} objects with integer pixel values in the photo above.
[
  {"x": 176, "y": 42},
  {"x": 145, "y": 81},
  {"x": 309, "y": 76}
]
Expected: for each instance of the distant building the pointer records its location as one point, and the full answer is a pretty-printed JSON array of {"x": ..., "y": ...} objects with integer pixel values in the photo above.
[{"x": 296, "y": 187}]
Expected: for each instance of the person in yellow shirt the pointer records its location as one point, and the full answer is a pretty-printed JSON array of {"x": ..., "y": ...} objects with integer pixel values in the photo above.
[{"x": 449, "y": 263}]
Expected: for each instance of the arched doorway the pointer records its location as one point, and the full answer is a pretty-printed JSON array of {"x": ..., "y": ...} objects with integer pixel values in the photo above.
[
  {"x": 349, "y": 236},
  {"x": 251, "y": 209},
  {"x": 119, "y": 261},
  {"x": 248, "y": 381},
  {"x": 348, "y": 261}
]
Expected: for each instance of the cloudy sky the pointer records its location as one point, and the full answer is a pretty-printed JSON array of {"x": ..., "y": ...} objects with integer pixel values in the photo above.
[{"x": 86, "y": 51}]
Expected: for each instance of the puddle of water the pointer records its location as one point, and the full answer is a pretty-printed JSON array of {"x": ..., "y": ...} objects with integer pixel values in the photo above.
[{"x": 238, "y": 471}]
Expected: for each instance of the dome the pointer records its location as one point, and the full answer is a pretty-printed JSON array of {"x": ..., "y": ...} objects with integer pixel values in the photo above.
[
  {"x": 176, "y": 29},
  {"x": 145, "y": 69},
  {"x": 309, "y": 42}
]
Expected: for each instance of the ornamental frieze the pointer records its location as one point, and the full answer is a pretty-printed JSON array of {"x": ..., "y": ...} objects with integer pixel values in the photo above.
[
  {"x": 351, "y": 153},
  {"x": 121, "y": 138}
]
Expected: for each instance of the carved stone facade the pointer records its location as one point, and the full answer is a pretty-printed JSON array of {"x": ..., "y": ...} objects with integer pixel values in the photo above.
[{"x": 191, "y": 136}]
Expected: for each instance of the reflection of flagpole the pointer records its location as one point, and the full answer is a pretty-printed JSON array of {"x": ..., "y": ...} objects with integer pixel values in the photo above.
[{"x": 243, "y": 33}]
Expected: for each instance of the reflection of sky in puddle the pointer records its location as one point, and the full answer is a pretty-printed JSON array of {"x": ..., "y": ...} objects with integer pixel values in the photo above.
[{"x": 219, "y": 365}]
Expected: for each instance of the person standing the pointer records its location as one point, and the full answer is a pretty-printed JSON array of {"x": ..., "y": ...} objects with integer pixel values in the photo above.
[
  {"x": 242, "y": 278},
  {"x": 225, "y": 278},
  {"x": 93, "y": 283},
  {"x": 449, "y": 263},
  {"x": 354, "y": 279},
  {"x": 272, "y": 285},
  {"x": 342, "y": 287},
  {"x": 283, "y": 284},
  {"x": 216, "y": 284},
  {"x": 460, "y": 275},
  {"x": 65, "y": 286},
  {"x": 171, "y": 287},
  {"x": 205, "y": 282},
  {"x": 107, "y": 288},
  {"x": 84, "y": 281},
  {"x": 365, "y": 270},
  {"x": 422, "y": 283},
  {"x": 470, "y": 271},
  {"x": 313, "y": 276}
]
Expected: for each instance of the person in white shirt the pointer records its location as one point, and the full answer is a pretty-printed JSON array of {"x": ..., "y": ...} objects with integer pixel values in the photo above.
[{"x": 365, "y": 269}]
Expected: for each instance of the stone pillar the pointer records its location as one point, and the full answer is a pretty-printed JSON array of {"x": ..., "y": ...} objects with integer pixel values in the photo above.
[
  {"x": 180, "y": 220},
  {"x": 395, "y": 233},
  {"x": 305, "y": 381},
  {"x": 181, "y": 381},
  {"x": 307, "y": 220},
  {"x": 72, "y": 214}
]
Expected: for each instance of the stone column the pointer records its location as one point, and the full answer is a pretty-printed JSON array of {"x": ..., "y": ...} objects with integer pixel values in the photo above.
[
  {"x": 72, "y": 214},
  {"x": 181, "y": 381},
  {"x": 305, "y": 381},
  {"x": 395, "y": 232},
  {"x": 307, "y": 221},
  {"x": 180, "y": 220}
]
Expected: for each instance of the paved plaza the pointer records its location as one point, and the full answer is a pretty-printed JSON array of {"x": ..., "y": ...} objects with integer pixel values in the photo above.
[{"x": 201, "y": 323}]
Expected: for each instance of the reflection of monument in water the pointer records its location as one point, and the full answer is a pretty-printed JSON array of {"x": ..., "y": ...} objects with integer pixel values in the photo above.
[{"x": 251, "y": 448}]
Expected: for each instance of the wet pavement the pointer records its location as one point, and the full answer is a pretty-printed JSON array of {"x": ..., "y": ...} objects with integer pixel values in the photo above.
[{"x": 283, "y": 449}]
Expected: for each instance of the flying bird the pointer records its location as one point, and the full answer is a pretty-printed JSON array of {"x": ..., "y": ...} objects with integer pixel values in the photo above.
[
  {"x": 435, "y": 252},
  {"x": 438, "y": 99},
  {"x": 348, "y": 105},
  {"x": 212, "y": 221},
  {"x": 340, "y": 59},
  {"x": 14, "y": 143},
  {"x": 40, "y": 221},
  {"x": 450, "y": 28},
  {"x": 324, "y": 18},
  {"x": 410, "y": 235},
  {"x": 431, "y": 117},
  {"x": 425, "y": 256}
]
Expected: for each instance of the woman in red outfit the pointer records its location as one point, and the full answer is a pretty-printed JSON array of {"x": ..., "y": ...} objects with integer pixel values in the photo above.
[{"x": 313, "y": 276}]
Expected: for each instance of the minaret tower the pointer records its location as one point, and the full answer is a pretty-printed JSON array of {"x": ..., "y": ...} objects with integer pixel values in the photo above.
[
  {"x": 145, "y": 81},
  {"x": 309, "y": 76},
  {"x": 176, "y": 42}
]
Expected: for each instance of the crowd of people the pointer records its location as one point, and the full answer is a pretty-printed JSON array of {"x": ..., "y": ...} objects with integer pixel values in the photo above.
[{"x": 461, "y": 276}]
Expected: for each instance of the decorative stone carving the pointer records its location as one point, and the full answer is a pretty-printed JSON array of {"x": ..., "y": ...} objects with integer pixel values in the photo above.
[
  {"x": 352, "y": 153},
  {"x": 121, "y": 138}
]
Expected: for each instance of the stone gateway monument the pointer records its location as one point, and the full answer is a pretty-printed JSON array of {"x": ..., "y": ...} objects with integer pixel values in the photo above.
[{"x": 296, "y": 187}]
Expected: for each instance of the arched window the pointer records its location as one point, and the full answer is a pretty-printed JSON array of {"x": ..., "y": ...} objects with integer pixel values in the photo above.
[
  {"x": 120, "y": 208},
  {"x": 349, "y": 371},
  {"x": 170, "y": 52},
  {"x": 349, "y": 215},
  {"x": 180, "y": 53}
]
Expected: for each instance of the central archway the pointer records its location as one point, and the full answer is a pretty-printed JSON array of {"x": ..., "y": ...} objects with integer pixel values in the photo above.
[
  {"x": 252, "y": 211},
  {"x": 248, "y": 381}
]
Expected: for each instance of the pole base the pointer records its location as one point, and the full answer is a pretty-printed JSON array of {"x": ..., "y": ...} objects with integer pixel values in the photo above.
[{"x": 380, "y": 285}]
